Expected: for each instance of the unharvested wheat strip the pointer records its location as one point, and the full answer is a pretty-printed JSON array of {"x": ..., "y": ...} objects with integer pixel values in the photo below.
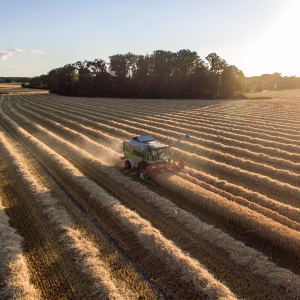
[
  {"x": 68, "y": 109},
  {"x": 189, "y": 269},
  {"x": 233, "y": 121},
  {"x": 275, "y": 134},
  {"x": 260, "y": 119},
  {"x": 257, "y": 112},
  {"x": 240, "y": 162},
  {"x": 271, "y": 183},
  {"x": 85, "y": 252},
  {"x": 285, "y": 222},
  {"x": 234, "y": 117},
  {"x": 238, "y": 150},
  {"x": 277, "y": 152},
  {"x": 235, "y": 124},
  {"x": 265, "y": 227},
  {"x": 253, "y": 131},
  {"x": 274, "y": 185},
  {"x": 262, "y": 267},
  {"x": 109, "y": 120},
  {"x": 199, "y": 160},
  {"x": 15, "y": 278},
  {"x": 293, "y": 226},
  {"x": 287, "y": 176},
  {"x": 244, "y": 202},
  {"x": 288, "y": 211},
  {"x": 156, "y": 120}
]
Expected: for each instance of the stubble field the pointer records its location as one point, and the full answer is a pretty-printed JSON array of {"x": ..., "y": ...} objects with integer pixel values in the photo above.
[
  {"x": 14, "y": 88},
  {"x": 75, "y": 224}
]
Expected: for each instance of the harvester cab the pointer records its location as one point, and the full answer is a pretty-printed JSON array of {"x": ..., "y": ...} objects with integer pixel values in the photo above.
[{"x": 148, "y": 156}]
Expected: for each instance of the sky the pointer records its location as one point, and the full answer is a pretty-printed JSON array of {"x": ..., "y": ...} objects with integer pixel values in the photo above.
[{"x": 257, "y": 36}]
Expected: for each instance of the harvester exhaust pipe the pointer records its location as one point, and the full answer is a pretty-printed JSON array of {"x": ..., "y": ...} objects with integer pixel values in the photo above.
[{"x": 181, "y": 138}]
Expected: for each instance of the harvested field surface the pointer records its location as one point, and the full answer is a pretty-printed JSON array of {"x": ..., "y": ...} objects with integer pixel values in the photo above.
[
  {"x": 17, "y": 89},
  {"x": 76, "y": 224}
]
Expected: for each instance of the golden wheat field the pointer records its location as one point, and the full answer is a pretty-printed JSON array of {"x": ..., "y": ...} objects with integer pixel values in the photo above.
[
  {"x": 17, "y": 89},
  {"x": 76, "y": 224}
]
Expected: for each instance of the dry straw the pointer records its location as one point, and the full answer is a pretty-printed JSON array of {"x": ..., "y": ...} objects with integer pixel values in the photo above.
[
  {"x": 196, "y": 131},
  {"x": 273, "y": 184},
  {"x": 131, "y": 124},
  {"x": 287, "y": 176},
  {"x": 80, "y": 119},
  {"x": 214, "y": 144},
  {"x": 255, "y": 179},
  {"x": 244, "y": 202},
  {"x": 15, "y": 277},
  {"x": 288, "y": 211},
  {"x": 249, "y": 260},
  {"x": 242, "y": 216},
  {"x": 187, "y": 268},
  {"x": 103, "y": 137},
  {"x": 82, "y": 141},
  {"x": 85, "y": 252},
  {"x": 14, "y": 273}
]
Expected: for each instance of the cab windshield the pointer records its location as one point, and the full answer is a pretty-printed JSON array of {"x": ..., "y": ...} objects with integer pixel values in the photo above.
[{"x": 158, "y": 154}]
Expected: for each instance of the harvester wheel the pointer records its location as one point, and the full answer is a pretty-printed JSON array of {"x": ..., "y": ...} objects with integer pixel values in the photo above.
[
  {"x": 181, "y": 164},
  {"x": 127, "y": 164},
  {"x": 141, "y": 167}
]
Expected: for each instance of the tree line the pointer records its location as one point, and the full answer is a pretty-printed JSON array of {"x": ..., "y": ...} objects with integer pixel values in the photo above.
[
  {"x": 273, "y": 81},
  {"x": 162, "y": 74},
  {"x": 14, "y": 79}
]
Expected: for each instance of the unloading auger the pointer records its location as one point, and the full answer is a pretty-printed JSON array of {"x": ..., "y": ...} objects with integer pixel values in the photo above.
[{"x": 148, "y": 156}]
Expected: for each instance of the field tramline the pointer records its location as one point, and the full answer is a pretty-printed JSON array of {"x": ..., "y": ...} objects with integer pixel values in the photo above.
[
  {"x": 228, "y": 229},
  {"x": 205, "y": 138},
  {"x": 235, "y": 162},
  {"x": 210, "y": 128},
  {"x": 239, "y": 162},
  {"x": 48, "y": 137},
  {"x": 48, "y": 121},
  {"x": 278, "y": 156}
]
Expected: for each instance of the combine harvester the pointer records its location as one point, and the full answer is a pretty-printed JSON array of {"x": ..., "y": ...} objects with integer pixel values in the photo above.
[{"x": 148, "y": 155}]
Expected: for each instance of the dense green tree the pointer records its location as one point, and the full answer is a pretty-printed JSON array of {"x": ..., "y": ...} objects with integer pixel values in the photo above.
[
  {"x": 67, "y": 80},
  {"x": 198, "y": 83},
  {"x": 162, "y": 74},
  {"x": 216, "y": 67},
  {"x": 14, "y": 79},
  {"x": 102, "y": 81},
  {"x": 232, "y": 82}
]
